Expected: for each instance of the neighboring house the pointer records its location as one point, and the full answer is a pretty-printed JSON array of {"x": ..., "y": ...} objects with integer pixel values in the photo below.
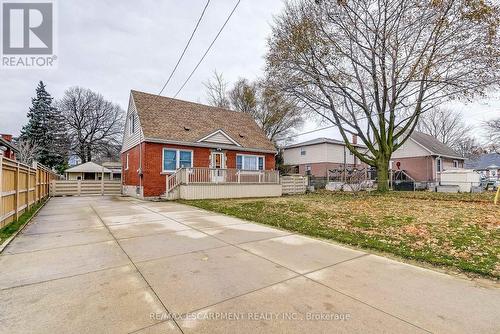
[
  {"x": 423, "y": 158},
  {"x": 318, "y": 156},
  {"x": 115, "y": 167},
  {"x": 8, "y": 149},
  {"x": 218, "y": 146},
  {"x": 488, "y": 165},
  {"x": 88, "y": 171}
]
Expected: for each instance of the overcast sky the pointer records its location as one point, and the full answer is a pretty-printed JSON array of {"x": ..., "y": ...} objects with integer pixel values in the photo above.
[{"x": 114, "y": 46}]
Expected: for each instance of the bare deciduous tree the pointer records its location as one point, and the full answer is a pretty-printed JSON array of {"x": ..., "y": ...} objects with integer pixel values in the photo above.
[
  {"x": 243, "y": 96},
  {"x": 372, "y": 68},
  {"x": 27, "y": 151},
  {"x": 469, "y": 148},
  {"x": 95, "y": 124},
  {"x": 217, "y": 91},
  {"x": 276, "y": 114},
  {"x": 445, "y": 125},
  {"x": 493, "y": 128}
]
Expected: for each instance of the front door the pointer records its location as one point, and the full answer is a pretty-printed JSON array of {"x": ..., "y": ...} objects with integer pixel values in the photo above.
[{"x": 218, "y": 165}]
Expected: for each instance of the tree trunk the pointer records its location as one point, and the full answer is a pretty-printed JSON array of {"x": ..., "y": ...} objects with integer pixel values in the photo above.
[
  {"x": 89, "y": 153},
  {"x": 382, "y": 174}
]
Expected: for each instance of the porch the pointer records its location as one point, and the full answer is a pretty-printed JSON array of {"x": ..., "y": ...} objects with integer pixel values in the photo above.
[{"x": 209, "y": 183}]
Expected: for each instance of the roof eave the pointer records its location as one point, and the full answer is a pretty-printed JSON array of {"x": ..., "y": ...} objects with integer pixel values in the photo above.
[
  {"x": 449, "y": 156},
  {"x": 209, "y": 145},
  {"x": 320, "y": 143}
]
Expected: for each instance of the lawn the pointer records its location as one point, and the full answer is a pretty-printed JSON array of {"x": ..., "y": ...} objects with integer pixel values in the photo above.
[{"x": 458, "y": 231}]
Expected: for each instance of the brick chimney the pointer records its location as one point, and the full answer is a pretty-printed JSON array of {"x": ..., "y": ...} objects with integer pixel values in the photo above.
[
  {"x": 354, "y": 139},
  {"x": 8, "y": 153},
  {"x": 6, "y": 137}
]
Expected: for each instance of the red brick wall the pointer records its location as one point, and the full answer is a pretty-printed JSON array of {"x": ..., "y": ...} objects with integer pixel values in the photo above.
[
  {"x": 270, "y": 161},
  {"x": 419, "y": 168},
  {"x": 424, "y": 168},
  {"x": 130, "y": 177},
  {"x": 154, "y": 179}
]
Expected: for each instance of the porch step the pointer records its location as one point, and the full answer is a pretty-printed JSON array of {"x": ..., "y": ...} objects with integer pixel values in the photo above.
[{"x": 173, "y": 194}]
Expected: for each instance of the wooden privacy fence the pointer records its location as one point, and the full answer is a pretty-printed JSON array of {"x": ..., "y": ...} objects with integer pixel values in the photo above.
[
  {"x": 294, "y": 184},
  {"x": 21, "y": 186},
  {"x": 85, "y": 187}
]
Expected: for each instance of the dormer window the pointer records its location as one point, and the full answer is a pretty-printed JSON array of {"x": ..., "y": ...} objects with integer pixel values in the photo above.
[{"x": 186, "y": 128}]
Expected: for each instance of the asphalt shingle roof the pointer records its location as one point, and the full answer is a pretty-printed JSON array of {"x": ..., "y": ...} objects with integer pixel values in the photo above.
[
  {"x": 171, "y": 119},
  {"x": 484, "y": 161},
  {"x": 87, "y": 167},
  {"x": 434, "y": 145},
  {"x": 321, "y": 140}
]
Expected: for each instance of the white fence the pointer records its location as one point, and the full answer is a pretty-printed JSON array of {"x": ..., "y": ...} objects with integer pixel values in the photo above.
[
  {"x": 294, "y": 184},
  {"x": 198, "y": 182},
  {"x": 84, "y": 188}
]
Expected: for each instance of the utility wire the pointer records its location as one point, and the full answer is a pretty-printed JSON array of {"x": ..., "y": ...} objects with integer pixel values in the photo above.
[
  {"x": 185, "y": 48},
  {"x": 327, "y": 127},
  {"x": 181, "y": 56},
  {"x": 208, "y": 49}
]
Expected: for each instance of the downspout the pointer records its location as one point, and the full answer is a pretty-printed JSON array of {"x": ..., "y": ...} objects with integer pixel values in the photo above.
[{"x": 140, "y": 164}]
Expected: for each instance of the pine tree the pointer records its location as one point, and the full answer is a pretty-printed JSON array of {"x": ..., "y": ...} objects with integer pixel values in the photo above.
[{"x": 46, "y": 128}]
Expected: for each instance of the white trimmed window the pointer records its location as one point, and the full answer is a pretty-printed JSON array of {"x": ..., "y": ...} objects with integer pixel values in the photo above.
[
  {"x": 455, "y": 163},
  {"x": 439, "y": 165},
  {"x": 126, "y": 162},
  {"x": 303, "y": 151},
  {"x": 250, "y": 162},
  {"x": 174, "y": 159}
]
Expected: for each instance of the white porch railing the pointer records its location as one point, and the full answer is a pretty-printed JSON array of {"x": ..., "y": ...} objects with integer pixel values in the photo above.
[{"x": 201, "y": 175}]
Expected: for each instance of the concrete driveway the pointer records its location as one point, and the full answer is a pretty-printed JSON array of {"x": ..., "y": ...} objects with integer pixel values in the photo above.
[{"x": 120, "y": 265}]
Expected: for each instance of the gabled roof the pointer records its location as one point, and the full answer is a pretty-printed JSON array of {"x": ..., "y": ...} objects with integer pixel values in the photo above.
[
  {"x": 321, "y": 140},
  {"x": 88, "y": 167},
  {"x": 485, "y": 161},
  {"x": 167, "y": 119},
  {"x": 434, "y": 146}
]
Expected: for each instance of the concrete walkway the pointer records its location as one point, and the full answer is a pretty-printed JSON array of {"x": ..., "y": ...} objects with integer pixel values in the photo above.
[{"x": 119, "y": 265}]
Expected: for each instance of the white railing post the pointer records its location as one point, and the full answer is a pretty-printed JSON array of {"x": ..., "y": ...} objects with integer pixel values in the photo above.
[{"x": 167, "y": 183}]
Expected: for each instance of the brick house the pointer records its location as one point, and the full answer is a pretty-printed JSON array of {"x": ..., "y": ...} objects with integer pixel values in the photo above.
[
  {"x": 319, "y": 156},
  {"x": 177, "y": 148},
  {"x": 423, "y": 158}
]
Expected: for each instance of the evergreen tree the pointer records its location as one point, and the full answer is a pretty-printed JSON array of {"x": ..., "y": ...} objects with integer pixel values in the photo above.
[{"x": 46, "y": 128}]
